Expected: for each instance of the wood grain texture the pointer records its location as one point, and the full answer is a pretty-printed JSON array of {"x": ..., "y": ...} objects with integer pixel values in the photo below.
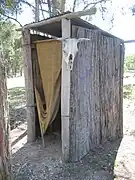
[
  {"x": 28, "y": 72},
  {"x": 5, "y": 151},
  {"x": 84, "y": 104},
  {"x": 111, "y": 88},
  {"x": 95, "y": 99},
  {"x": 122, "y": 55},
  {"x": 65, "y": 96}
]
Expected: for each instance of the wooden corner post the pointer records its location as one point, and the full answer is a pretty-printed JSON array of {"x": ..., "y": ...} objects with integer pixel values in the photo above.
[
  {"x": 28, "y": 73},
  {"x": 65, "y": 95}
]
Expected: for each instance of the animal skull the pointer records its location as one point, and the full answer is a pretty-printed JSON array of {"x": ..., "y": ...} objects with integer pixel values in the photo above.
[{"x": 70, "y": 50}]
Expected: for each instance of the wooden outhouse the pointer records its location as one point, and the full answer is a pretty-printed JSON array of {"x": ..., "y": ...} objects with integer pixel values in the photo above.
[{"x": 84, "y": 103}]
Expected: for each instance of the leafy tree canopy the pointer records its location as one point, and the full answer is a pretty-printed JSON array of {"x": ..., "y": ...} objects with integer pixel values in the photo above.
[
  {"x": 10, "y": 46},
  {"x": 130, "y": 62}
]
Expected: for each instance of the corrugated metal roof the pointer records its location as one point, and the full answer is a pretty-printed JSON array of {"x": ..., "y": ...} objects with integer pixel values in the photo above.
[{"x": 54, "y": 28}]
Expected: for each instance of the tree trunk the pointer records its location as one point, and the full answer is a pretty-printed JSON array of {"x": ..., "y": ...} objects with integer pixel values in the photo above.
[
  {"x": 21, "y": 72},
  {"x": 4, "y": 128},
  {"x": 37, "y": 13},
  {"x": 58, "y": 6}
]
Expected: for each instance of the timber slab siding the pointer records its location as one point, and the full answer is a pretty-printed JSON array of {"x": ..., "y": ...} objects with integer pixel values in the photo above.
[{"x": 95, "y": 92}]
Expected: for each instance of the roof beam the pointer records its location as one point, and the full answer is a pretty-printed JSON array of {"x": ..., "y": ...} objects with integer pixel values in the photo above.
[
  {"x": 71, "y": 15},
  {"x": 130, "y": 41}
]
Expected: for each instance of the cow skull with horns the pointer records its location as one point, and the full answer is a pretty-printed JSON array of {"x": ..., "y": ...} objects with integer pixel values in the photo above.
[{"x": 70, "y": 49}]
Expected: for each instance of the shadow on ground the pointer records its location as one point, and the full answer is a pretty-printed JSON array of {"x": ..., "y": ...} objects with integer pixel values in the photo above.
[
  {"x": 17, "y": 106},
  {"x": 33, "y": 162}
]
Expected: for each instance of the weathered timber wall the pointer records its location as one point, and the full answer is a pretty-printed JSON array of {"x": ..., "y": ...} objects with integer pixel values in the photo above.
[
  {"x": 28, "y": 74},
  {"x": 111, "y": 68},
  {"x": 96, "y": 92}
]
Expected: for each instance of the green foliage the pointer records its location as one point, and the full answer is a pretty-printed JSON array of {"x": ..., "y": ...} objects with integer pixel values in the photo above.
[
  {"x": 10, "y": 43},
  {"x": 129, "y": 91},
  {"x": 130, "y": 63},
  {"x": 10, "y": 6}
]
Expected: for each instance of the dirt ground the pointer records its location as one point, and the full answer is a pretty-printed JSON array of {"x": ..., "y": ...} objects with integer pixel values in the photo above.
[
  {"x": 114, "y": 160},
  {"x": 30, "y": 161}
]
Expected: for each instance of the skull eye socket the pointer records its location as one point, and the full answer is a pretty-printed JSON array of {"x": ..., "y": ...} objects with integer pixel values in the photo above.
[
  {"x": 78, "y": 45},
  {"x": 70, "y": 57},
  {"x": 64, "y": 52}
]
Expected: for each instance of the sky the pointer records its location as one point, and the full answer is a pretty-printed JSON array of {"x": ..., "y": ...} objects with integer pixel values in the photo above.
[{"x": 123, "y": 24}]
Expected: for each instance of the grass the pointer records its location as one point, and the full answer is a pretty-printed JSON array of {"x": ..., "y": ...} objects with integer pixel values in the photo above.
[
  {"x": 129, "y": 91},
  {"x": 17, "y": 103},
  {"x": 16, "y": 96}
]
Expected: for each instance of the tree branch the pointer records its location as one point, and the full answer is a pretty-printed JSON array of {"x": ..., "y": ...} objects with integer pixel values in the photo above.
[
  {"x": 49, "y": 7},
  {"x": 74, "y": 5},
  {"x": 42, "y": 10},
  {"x": 30, "y": 5},
  {"x": 95, "y": 3},
  {"x": 8, "y": 17}
]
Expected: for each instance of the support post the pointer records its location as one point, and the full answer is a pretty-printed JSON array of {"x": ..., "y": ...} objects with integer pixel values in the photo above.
[
  {"x": 65, "y": 95},
  {"x": 31, "y": 135}
]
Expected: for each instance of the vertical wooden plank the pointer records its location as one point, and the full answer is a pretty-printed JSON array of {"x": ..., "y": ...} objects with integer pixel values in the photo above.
[
  {"x": 65, "y": 96},
  {"x": 121, "y": 71},
  {"x": 84, "y": 100},
  {"x": 115, "y": 89},
  {"x": 110, "y": 88},
  {"x": 102, "y": 50},
  {"x": 29, "y": 85}
]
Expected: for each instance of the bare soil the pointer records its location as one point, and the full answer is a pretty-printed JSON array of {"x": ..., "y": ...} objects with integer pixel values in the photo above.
[
  {"x": 32, "y": 161},
  {"x": 113, "y": 160}
]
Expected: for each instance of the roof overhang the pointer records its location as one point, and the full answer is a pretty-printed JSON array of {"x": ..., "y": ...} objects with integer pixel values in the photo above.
[{"x": 52, "y": 25}]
